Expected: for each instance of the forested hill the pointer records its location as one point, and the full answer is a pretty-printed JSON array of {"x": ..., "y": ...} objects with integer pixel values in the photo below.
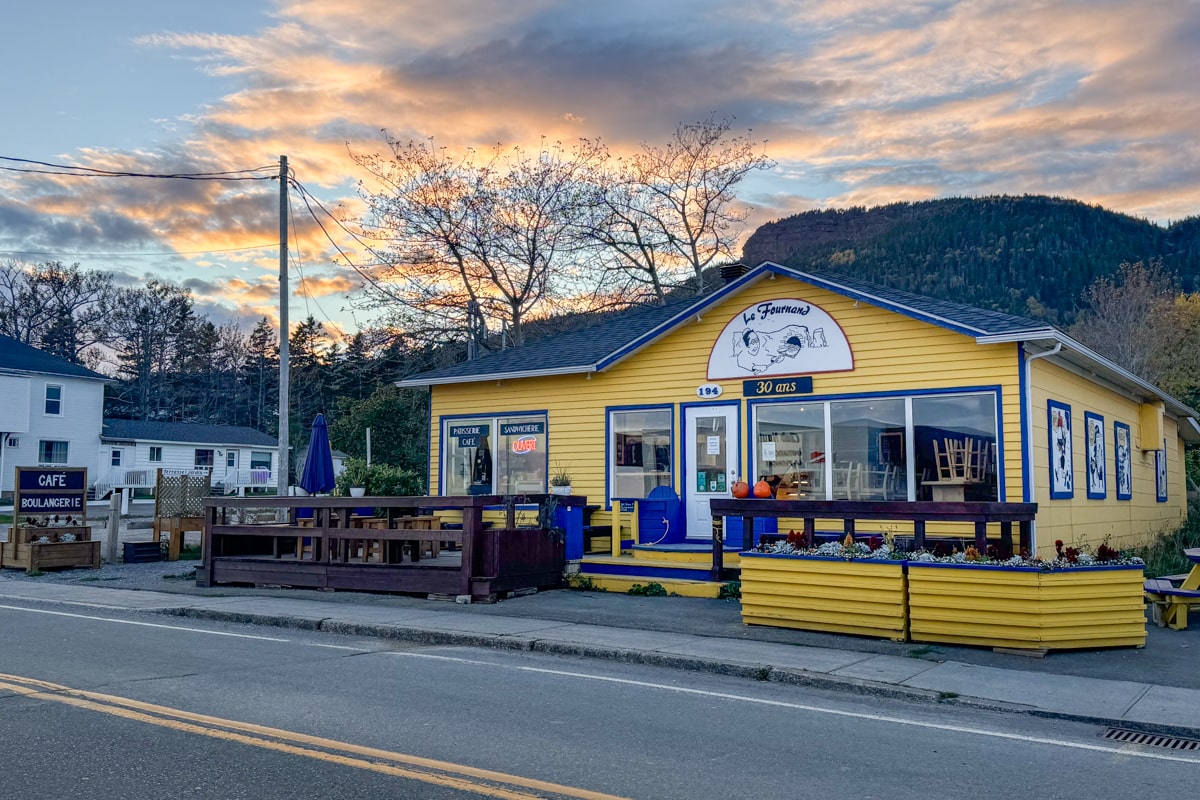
[{"x": 1030, "y": 255}]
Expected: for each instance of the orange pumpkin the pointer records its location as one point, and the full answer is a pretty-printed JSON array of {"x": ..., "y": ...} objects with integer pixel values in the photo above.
[
  {"x": 741, "y": 489},
  {"x": 762, "y": 489}
]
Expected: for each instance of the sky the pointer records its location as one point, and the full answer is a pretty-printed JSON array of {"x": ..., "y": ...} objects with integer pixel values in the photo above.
[{"x": 859, "y": 102}]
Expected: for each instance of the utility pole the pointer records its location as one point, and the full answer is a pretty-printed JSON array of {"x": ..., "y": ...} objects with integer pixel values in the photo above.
[{"x": 281, "y": 481}]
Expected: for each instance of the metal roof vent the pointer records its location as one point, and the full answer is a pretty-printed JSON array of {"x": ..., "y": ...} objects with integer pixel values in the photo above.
[{"x": 731, "y": 272}]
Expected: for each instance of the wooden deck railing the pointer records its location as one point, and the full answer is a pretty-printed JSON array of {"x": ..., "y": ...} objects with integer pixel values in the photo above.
[
  {"x": 848, "y": 512},
  {"x": 336, "y": 542}
]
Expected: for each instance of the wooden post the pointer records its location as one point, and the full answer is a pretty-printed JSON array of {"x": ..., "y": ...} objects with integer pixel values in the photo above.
[
  {"x": 1026, "y": 533},
  {"x": 747, "y": 533},
  {"x": 472, "y": 525},
  {"x": 810, "y": 531},
  {"x": 114, "y": 524},
  {"x": 1006, "y": 540},
  {"x": 981, "y": 536},
  {"x": 918, "y": 534},
  {"x": 718, "y": 553}
]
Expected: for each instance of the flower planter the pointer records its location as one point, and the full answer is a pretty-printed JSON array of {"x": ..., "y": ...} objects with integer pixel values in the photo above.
[
  {"x": 35, "y": 548},
  {"x": 861, "y": 596},
  {"x": 1025, "y": 607}
]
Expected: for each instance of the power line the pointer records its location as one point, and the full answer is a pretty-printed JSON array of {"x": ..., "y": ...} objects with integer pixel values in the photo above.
[
  {"x": 92, "y": 172},
  {"x": 306, "y": 196},
  {"x": 121, "y": 255}
]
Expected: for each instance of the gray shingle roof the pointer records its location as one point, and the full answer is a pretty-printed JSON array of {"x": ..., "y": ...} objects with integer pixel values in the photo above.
[
  {"x": 18, "y": 357},
  {"x": 190, "y": 432},
  {"x": 576, "y": 349},
  {"x": 614, "y": 337}
]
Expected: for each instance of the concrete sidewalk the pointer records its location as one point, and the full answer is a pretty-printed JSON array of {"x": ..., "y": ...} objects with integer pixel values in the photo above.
[{"x": 909, "y": 671}]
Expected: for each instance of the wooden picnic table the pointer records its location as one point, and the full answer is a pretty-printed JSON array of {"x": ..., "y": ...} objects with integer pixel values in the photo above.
[{"x": 1170, "y": 603}]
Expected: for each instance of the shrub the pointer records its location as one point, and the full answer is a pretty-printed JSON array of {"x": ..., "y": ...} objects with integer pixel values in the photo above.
[
  {"x": 1164, "y": 555},
  {"x": 380, "y": 480}
]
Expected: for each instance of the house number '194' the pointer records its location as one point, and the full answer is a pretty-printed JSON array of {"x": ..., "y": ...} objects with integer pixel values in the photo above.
[{"x": 709, "y": 390}]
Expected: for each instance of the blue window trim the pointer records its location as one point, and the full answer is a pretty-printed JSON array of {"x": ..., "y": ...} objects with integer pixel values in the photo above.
[
  {"x": 685, "y": 481},
  {"x": 1050, "y": 406},
  {"x": 1161, "y": 491},
  {"x": 608, "y": 412},
  {"x": 444, "y": 418},
  {"x": 995, "y": 389},
  {"x": 1121, "y": 426},
  {"x": 1026, "y": 404},
  {"x": 1088, "y": 416}
]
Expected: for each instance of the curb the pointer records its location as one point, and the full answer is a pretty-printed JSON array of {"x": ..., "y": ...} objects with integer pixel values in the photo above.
[{"x": 763, "y": 672}]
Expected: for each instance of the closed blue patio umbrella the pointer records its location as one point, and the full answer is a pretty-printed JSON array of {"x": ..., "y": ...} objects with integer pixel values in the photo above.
[{"x": 317, "y": 475}]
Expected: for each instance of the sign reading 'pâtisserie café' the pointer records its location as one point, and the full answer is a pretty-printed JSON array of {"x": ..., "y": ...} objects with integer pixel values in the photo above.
[{"x": 50, "y": 491}]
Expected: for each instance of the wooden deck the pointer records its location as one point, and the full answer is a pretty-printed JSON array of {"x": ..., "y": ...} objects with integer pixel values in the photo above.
[{"x": 400, "y": 547}]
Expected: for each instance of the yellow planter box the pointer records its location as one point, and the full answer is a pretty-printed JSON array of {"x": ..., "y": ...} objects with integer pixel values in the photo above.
[
  {"x": 861, "y": 596},
  {"x": 1027, "y": 608}
]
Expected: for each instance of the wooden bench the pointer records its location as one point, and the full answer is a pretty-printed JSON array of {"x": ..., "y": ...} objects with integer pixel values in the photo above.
[{"x": 1169, "y": 604}]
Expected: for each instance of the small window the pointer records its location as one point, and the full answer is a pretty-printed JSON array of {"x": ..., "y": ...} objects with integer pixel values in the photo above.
[
  {"x": 54, "y": 400},
  {"x": 204, "y": 458},
  {"x": 52, "y": 452},
  {"x": 156, "y": 454},
  {"x": 116, "y": 458},
  {"x": 231, "y": 459},
  {"x": 640, "y": 450},
  {"x": 260, "y": 460}
]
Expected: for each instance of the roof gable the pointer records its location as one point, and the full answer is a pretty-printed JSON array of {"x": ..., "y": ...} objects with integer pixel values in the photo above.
[
  {"x": 598, "y": 347},
  {"x": 18, "y": 357}
]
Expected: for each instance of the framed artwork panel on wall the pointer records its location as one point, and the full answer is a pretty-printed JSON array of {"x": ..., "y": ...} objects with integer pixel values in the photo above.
[{"x": 1062, "y": 467}]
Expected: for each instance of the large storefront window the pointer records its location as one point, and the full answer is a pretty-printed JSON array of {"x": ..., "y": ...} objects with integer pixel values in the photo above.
[
  {"x": 943, "y": 444},
  {"x": 790, "y": 449},
  {"x": 962, "y": 428},
  {"x": 639, "y": 451},
  {"x": 494, "y": 455},
  {"x": 868, "y": 450}
]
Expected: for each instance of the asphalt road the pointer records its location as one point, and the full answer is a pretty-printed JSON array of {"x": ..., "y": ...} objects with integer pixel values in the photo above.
[{"x": 99, "y": 704}]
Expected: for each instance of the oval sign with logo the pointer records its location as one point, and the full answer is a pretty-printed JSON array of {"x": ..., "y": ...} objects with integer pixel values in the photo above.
[
  {"x": 709, "y": 390},
  {"x": 525, "y": 444}
]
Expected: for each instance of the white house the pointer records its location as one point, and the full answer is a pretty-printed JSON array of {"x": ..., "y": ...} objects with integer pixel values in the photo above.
[
  {"x": 132, "y": 452},
  {"x": 50, "y": 412}
]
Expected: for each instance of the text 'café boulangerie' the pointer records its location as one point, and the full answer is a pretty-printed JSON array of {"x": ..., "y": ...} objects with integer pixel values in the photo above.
[{"x": 825, "y": 388}]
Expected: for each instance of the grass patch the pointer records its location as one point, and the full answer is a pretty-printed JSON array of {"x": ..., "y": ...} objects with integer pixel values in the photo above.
[
  {"x": 922, "y": 651},
  {"x": 1164, "y": 555},
  {"x": 652, "y": 589},
  {"x": 584, "y": 583},
  {"x": 34, "y": 573},
  {"x": 189, "y": 552},
  {"x": 730, "y": 591},
  {"x": 190, "y": 575}
]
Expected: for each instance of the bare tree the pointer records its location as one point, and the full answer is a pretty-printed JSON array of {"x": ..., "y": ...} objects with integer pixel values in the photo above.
[
  {"x": 1128, "y": 317},
  {"x": 62, "y": 310},
  {"x": 672, "y": 211},
  {"x": 460, "y": 232}
]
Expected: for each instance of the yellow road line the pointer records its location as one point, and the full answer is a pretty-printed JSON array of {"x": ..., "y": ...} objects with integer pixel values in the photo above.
[{"x": 236, "y": 731}]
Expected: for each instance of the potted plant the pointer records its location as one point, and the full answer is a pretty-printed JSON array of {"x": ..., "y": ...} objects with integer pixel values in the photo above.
[
  {"x": 355, "y": 479},
  {"x": 560, "y": 481}
]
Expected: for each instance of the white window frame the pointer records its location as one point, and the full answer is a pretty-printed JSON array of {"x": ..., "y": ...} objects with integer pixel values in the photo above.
[
  {"x": 42, "y": 450},
  {"x": 47, "y": 400},
  {"x": 116, "y": 456},
  {"x": 156, "y": 450},
  {"x": 910, "y": 439},
  {"x": 212, "y": 451}
]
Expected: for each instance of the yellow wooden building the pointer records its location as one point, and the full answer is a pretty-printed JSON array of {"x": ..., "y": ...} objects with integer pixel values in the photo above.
[{"x": 829, "y": 388}]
